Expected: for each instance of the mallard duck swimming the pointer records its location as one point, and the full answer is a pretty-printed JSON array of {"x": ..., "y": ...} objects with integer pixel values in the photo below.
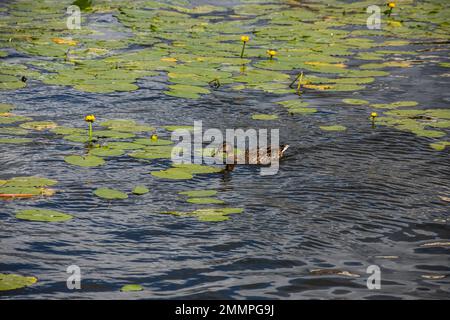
[{"x": 252, "y": 157}]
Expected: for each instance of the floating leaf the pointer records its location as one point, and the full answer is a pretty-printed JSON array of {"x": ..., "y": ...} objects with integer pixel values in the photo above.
[
  {"x": 172, "y": 173},
  {"x": 85, "y": 161},
  {"x": 13, "y": 119},
  {"x": 110, "y": 194},
  {"x": 150, "y": 142},
  {"x": 125, "y": 145},
  {"x": 205, "y": 200},
  {"x": 140, "y": 190},
  {"x": 131, "y": 288},
  {"x": 15, "y": 281},
  {"x": 440, "y": 146},
  {"x": 5, "y": 107},
  {"x": 197, "y": 168},
  {"x": 333, "y": 128},
  {"x": 29, "y": 182},
  {"x": 355, "y": 101},
  {"x": 264, "y": 117},
  {"x": 43, "y": 215},
  {"x": 394, "y": 105},
  {"x": 15, "y": 140},
  {"x": 106, "y": 152},
  {"x": 186, "y": 91},
  {"x": 39, "y": 125}
]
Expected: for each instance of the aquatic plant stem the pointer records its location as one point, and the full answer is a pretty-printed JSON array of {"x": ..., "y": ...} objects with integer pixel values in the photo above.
[
  {"x": 300, "y": 83},
  {"x": 90, "y": 132},
  {"x": 243, "y": 49},
  {"x": 296, "y": 78}
]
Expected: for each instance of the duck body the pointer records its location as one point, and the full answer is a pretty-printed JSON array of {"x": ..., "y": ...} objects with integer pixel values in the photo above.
[{"x": 262, "y": 156}]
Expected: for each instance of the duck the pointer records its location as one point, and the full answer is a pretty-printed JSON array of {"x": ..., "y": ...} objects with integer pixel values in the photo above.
[{"x": 252, "y": 157}]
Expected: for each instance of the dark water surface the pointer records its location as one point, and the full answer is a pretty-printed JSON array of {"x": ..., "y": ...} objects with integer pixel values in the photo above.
[{"x": 340, "y": 201}]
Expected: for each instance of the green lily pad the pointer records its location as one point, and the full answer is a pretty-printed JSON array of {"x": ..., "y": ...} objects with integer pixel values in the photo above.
[
  {"x": 113, "y": 134},
  {"x": 39, "y": 125},
  {"x": 172, "y": 173},
  {"x": 110, "y": 194},
  {"x": 106, "y": 152},
  {"x": 76, "y": 138},
  {"x": 4, "y": 190},
  {"x": 69, "y": 131},
  {"x": 440, "y": 146},
  {"x": 13, "y": 119},
  {"x": 186, "y": 91},
  {"x": 85, "y": 161},
  {"x": 126, "y": 126},
  {"x": 356, "y": 102},
  {"x": 205, "y": 200},
  {"x": 140, "y": 190},
  {"x": 13, "y": 131},
  {"x": 5, "y": 107},
  {"x": 150, "y": 142},
  {"x": 302, "y": 110},
  {"x": 197, "y": 168},
  {"x": 199, "y": 193},
  {"x": 131, "y": 288},
  {"x": 215, "y": 214},
  {"x": 264, "y": 117},
  {"x": 15, "y": 281},
  {"x": 29, "y": 182},
  {"x": 15, "y": 140},
  {"x": 333, "y": 128},
  {"x": 125, "y": 145},
  {"x": 394, "y": 105},
  {"x": 154, "y": 152},
  {"x": 43, "y": 215}
]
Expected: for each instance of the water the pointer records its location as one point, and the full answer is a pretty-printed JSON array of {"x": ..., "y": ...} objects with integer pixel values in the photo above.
[{"x": 340, "y": 200}]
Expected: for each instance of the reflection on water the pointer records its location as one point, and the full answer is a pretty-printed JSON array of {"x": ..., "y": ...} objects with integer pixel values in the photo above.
[{"x": 340, "y": 200}]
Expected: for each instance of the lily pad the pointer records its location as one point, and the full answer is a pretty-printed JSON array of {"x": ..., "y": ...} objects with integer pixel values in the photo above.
[
  {"x": 29, "y": 182},
  {"x": 333, "y": 128},
  {"x": 43, "y": 215},
  {"x": 150, "y": 142},
  {"x": 15, "y": 140},
  {"x": 140, "y": 190},
  {"x": 131, "y": 288},
  {"x": 394, "y": 105},
  {"x": 356, "y": 102},
  {"x": 205, "y": 200},
  {"x": 264, "y": 117},
  {"x": 440, "y": 146},
  {"x": 172, "y": 173},
  {"x": 85, "y": 161},
  {"x": 106, "y": 152},
  {"x": 110, "y": 194},
  {"x": 15, "y": 281},
  {"x": 197, "y": 168},
  {"x": 39, "y": 125}
]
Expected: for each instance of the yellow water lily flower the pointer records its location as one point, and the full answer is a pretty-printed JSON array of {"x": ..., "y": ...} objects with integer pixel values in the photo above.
[
  {"x": 89, "y": 118},
  {"x": 374, "y": 114},
  {"x": 391, "y": 4},
  {"x": 245, "y": 38},
  {"x": 272, "y": 53},
  {"x": 154, "y": 137}
]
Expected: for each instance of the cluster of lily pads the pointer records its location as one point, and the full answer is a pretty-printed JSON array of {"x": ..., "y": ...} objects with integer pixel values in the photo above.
[
  {"x": 195, "y": 46},
  {"x": 206, "y": 214},
  {"x": 26, "y": 187}
]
